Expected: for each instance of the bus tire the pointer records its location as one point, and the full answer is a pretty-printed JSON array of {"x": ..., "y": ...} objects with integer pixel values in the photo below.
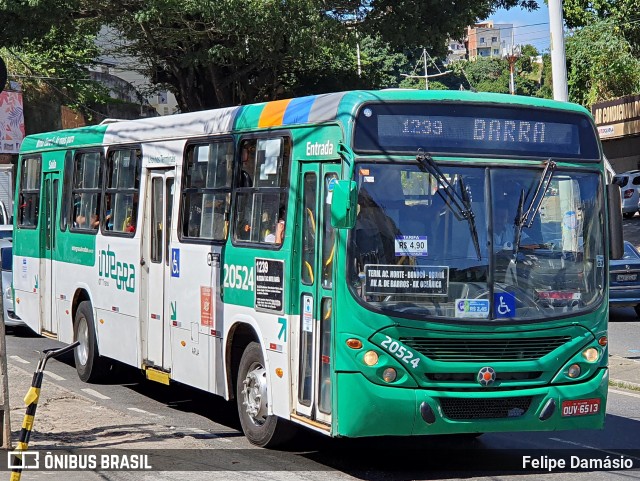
[
  {"x": 261, "y": 429},
  {"x": 89, "y": 365}
]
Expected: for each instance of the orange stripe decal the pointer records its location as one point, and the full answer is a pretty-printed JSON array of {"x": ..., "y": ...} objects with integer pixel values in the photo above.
[{"x": 273, "y": 113}]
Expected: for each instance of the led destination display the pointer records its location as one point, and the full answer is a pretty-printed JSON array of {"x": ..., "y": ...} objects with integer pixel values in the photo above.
[{"x": 475, "y": 129}]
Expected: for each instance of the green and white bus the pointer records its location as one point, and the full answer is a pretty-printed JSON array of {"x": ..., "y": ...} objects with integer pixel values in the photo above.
[{"x": 362, "y": 263}]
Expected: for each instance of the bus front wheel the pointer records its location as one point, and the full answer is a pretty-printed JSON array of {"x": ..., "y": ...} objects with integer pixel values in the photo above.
[
  {"x": 89, "y": 365},
  {"x": 260, "y": 428}
]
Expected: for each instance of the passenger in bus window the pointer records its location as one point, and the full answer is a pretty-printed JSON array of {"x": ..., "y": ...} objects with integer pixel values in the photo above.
[
  {"x": 108, "y": 218},
  {"x": 80, "y": 221},
  {"x": 129, "y": 225},
  {"x": 248, "y": 164},
  {"x": 268, "y": 232},
  {"x": 95, "y": 221},
  {"x": 280, "y": 226},
  {"x": 275, "y": 234}
]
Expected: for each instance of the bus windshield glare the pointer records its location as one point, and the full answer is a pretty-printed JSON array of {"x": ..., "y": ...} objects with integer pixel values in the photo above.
[{"x": 413, "y": 253}]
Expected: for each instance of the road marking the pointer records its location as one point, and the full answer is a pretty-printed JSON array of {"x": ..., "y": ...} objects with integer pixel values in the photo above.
[
  {"x": 19, "y": 359},
  {"x": 138, "y": 410},
  {"x": 54, "y": 376},
  {"x": 209, "y": 434},
  {"x": 142, "y": 411},
  {"x": 586, "y": 446},
  {"x": 199, "y": 431},
  {"x": 95, "y": 393},
  {"x": 624, "y": 393}
]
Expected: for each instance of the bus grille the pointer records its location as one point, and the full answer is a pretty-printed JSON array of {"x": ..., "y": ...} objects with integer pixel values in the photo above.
[
  {"x": 462, "y": 409},
  {"x": 485, "y": 350}
]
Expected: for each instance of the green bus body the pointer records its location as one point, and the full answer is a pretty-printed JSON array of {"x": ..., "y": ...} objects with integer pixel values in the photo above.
[{"x": 438, "y": 336}]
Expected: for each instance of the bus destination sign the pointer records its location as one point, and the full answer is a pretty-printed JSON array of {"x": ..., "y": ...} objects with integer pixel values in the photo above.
[
  {"x": 407, "y": 280},
  {"x": 476, "y": 129}
]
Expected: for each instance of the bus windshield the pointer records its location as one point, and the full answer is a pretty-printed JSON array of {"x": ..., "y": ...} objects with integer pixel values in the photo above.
[{"x": 413, "y": 254}]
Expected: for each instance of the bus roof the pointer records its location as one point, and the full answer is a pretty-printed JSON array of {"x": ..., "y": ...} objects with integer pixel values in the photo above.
[{"x": 279, "y": 113}]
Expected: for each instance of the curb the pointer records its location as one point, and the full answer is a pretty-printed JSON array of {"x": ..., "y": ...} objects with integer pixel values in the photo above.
[{"x": 624, "y": 384}]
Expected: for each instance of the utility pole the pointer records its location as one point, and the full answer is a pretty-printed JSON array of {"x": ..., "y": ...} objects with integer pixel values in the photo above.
[
  {"x": 558, "y": 58},
  {"x": 512, "y": 57},
  {"x": 426, "y": 76},
  {"x": 512, "y": 84}
]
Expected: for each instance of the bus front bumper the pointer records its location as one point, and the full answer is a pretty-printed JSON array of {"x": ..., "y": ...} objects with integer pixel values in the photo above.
[{"x": 367, "y": 409}]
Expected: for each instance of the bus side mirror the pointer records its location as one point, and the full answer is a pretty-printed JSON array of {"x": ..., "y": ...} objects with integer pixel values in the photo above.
[
  {"x": 344, "y": 201},
  {"x": 616, "y": 241}
]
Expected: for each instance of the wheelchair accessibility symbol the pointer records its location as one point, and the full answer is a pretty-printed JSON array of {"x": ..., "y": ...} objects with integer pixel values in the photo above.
[
  {"x": 175, "y": 262},
  {"x": 504, "y": 304}
]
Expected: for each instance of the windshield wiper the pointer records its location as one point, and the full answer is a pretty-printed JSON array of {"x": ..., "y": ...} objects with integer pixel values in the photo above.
[
  {"x": 459, "y": 203},
  {"x": 525, "y": 218}
]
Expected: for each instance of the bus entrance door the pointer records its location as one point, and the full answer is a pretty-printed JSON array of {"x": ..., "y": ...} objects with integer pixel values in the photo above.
[
  {"x": 48, "y": 315},
  {"x": 157, "y": 269},
  {"x": 317, "y": 241}
]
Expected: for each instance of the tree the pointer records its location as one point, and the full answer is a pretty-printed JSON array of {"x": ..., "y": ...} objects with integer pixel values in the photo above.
[
  {"x": 226, "y": 52},
  {"x": 623, "y": 13},
  {"x": 601, "y": 64},
  {"x": 56, "y": 64},
  {"x": 546, "y": 84}
]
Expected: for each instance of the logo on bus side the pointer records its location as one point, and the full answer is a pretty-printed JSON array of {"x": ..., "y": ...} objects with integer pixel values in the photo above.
[{"x": 110, "y": 268}]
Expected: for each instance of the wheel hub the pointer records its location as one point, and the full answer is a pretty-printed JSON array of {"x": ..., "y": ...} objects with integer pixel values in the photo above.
[
  {"x": 254, "y": 394},
  {"x": 83, "y": 336}
]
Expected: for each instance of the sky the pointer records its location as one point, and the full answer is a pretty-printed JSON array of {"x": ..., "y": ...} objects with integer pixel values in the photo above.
[{"x": 529, "y": 27}]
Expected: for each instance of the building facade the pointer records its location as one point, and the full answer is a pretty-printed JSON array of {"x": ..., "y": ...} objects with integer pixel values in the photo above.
[
  {"x": 486, "y": 40},
  {"x": 618, "y": 123}
]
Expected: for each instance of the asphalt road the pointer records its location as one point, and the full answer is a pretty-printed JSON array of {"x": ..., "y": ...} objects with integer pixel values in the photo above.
[{"x": 186, "y": 409}]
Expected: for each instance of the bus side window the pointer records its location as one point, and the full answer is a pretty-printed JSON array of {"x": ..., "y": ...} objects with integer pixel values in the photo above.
[
  {"x": 120, "y": 210},
  {"x": 87, "y": 190},
  {"x": 29, "y": 195},
  {"x": 260, "y": 210},
  {"x": 206, "y": 190}
]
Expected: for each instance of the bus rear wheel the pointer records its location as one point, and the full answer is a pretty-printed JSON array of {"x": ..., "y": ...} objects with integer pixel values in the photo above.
[
  {"x": 260, "y": 428},
  {"x": 89, "y": 365}
]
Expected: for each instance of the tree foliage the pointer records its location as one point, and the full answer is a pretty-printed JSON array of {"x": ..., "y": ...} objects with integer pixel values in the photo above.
[
  {"x": 58, "y": 63},
  {"x": 213, "y": 53},
  {"x": 493, "y": 74},
  {"x": 623, "y": 13},
  {"x": 601, "y": 64}
]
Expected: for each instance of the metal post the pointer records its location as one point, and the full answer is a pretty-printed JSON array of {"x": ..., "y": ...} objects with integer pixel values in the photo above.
[
  {"x": 358, "y": 55},
  {"x": 512, "y": 84},
  {"x": 558, "y": 58},
  {"x": 426, "y": 76},
  {"x": 31, "y": 400}
]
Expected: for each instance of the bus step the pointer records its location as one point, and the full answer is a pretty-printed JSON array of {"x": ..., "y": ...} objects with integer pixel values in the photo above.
[
  {"x": 305, "y": 420},
  {"x": 50, "y": 335},
  {"x": 157, "y": 376}
]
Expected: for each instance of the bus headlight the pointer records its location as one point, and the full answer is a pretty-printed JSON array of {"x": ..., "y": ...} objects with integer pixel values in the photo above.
[
  {"x": 371, "y": 358},
  {"x": 389, "y": 374},
  {"x": 591, "y": 354},
  {"x": 8, "y": 294},
  {"x": 574, "y": 371}
]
